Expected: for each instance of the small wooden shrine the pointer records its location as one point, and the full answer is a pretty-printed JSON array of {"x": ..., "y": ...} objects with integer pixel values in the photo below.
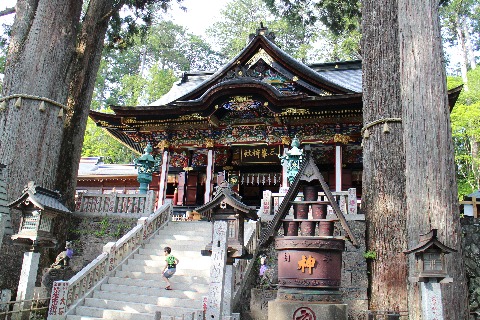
[
  {"x": 233, "y": 123},
  {"x": 227, "y": 206}
]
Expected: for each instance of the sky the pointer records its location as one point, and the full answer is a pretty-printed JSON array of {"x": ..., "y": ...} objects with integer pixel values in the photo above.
[{"x": 199, "y": 16}]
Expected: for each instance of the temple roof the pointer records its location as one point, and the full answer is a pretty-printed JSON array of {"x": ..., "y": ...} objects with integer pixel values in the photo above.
[
  {"x": 43, "y": 198},
  {"x": 226, "y": 195}
]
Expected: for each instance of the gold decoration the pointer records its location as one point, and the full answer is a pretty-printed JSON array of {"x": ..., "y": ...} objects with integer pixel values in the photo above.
[
  {"x": 163, "y": 145},
  {"x": 42, "y": 106},
  {"x": 265, "y": 104},
  {"x": 190, "y": 117},
  {"x": 286, "y": 140},
  {"x": 103, "y": 123},
  {"x": 209, "y": 143},
  {"x": 306, "y": 263},
  {"x": 261, "y": 54},
  {"x": 241, "y": 99},
  {"x": 228, "y": 168},
  {"x": 240, "y": 72},
  {"x": 128, "y": 120},
  {"x": 187, "y": 169},
  {"x": 60, "y": 113},
  {"x": 295, "y": 111},
  {"x": 3, "y": 105},
  {"x": 295, "y": 78},
  {"x": 341, "y": 138},
  {"x": 18, "y": 103}
]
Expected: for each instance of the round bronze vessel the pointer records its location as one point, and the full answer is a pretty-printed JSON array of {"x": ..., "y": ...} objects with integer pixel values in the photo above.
[
  {"x": 309, "y": 262},
  {"x": 310, "y": 193},
  {"x": 319, "y": 211},
  {"x": 325, "y": 228},
  {"x": 300, "y": 210},
  {"x": 307, "y": 228},
  {"x": 290, "y": 228}
]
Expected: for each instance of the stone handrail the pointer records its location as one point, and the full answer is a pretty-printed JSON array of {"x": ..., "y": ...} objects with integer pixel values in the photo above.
[
  {"x": 347, "y": 201},
  {"x": 243, "y": 267},
  {"x": 66, "y": 295},
  {"x": 136, "y": 205}
]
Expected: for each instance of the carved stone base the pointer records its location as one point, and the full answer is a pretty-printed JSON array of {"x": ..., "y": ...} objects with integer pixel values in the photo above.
[{"x": 288, "y": 310}]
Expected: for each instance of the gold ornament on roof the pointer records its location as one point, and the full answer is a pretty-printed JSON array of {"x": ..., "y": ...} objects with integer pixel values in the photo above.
[
  {"x": 129, "y": 120},
  {"x": 341, "y": 138},
  {"x": 295, "y": 111},
  {"x": 163, "y": 144},
  {"x": 286, "y": 140},
  {"x": 261, "y": 54},
  {"x": 209, "y": 143},
  {"x": 190, "y": 117}
]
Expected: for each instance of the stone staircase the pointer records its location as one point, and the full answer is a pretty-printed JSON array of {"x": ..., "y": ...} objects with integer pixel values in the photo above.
[{"x": 136, "y": 290}]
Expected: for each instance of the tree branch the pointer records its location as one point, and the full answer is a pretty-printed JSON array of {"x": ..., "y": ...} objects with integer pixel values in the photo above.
[{"x": 7, "y": 11}]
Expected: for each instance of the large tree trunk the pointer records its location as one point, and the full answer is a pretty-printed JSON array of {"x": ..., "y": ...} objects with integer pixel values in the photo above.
[
  {"x": 431, "y": 188},
  {"x": 42, "y": 46},
  {"x": 85, "y": 67},
  {"x": 383, "y": 195}
]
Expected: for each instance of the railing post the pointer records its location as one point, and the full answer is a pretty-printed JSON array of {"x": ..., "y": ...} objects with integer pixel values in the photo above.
[
  {"x": 352, "y": 201},
  {"x": 58, "y": 301},
  {"x": 143, "y": 221},
  {"x": 110, "y": 249},
  {"x": 149, "y": 202}
]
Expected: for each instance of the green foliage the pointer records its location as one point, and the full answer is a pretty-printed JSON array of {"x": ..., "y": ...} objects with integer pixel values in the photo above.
[
  {"x": 465, "y": 121},
  {"x": 370, "y": 255},
  {"x": 97, "y": 143},
  {"x": 242, "y": 17}
]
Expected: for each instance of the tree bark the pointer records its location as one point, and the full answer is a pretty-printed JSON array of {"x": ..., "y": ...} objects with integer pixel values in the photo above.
[
  {"x": 383, "y": 195},
  {"x": 85, "y": 67},
  {"x": 431, "y": 188},
  {"x": 42, "y": 45}
]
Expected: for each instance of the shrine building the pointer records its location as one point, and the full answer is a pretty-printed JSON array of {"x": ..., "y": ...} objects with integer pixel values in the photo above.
[{"x": 234, "y": 123}]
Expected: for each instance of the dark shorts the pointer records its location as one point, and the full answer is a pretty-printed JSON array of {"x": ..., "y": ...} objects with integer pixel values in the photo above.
[{"x": 169, "y": 273}]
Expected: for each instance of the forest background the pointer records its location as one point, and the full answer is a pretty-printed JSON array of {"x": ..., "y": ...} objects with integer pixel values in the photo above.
[{"x": 143, "y": 58}]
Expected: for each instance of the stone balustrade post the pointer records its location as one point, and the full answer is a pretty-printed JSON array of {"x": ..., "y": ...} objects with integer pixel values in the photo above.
[{"x": 58, "y": 301}]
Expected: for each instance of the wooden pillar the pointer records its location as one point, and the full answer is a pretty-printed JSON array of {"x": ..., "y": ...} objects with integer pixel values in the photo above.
[
  {"x": 338, "y": 168},
  {"x": 162, "y": 179},
  {"x": 284, "y": 183},
  {"x": 181, "y": 188},
  {"x": 209, "y": 178}
]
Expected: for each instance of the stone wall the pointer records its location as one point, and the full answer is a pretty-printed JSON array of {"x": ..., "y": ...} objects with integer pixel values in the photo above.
[
  {"x": 89, "y": 235},
  {"x": 471, "y": 254}
]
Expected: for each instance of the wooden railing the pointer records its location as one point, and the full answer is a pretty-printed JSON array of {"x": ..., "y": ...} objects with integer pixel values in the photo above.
[
  {"x": 347, "y": 201},
  {"x": 243, "y": 267},
  {"x": 67, "y": 294},
  {"x": 132, "y": 205}
]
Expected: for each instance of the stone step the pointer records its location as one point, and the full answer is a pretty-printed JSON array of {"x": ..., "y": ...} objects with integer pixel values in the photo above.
[
  {"x": 183, "y": 263},
  {"x": 180, "y": 284},
  {"x": 166, "y": 309},
  {"x": 159, "y": 252},
  {"x": 175, "y": 246},
  {"x": 183, "y": 255},
  {"x": 156, "y": 292},
  {"x": 137, "y": 275},
  {"x": 78, "y": 317},
  {"x": 138, "y": 298},
  {"x": 181, "y": 270},
  {"x": 113, "y": 314},
  {"x": 199, "y": 226},
  {"x": 177, "y": 236}
]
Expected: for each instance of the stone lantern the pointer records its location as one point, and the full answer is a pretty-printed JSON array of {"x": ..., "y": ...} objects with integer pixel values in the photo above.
[
  {"x": 39, "y": 207},
  {"x": 430, "y": 258},
  {"x": 227, "y": 206},
  {"x": 146, "y": 165},
  {"x": 430, "y": 273}
]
